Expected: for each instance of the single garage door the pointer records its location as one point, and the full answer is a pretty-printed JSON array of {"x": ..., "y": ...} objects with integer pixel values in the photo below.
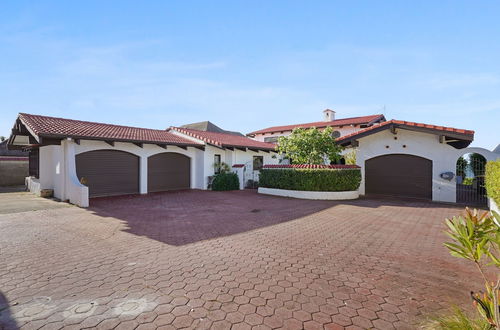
[
  {"x": 108, "y": 172},
  {"x": 399, "y": 175},
  {"x": 169, "y": 171}
]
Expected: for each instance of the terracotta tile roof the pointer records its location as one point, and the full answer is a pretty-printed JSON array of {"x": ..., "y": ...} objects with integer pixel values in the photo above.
[
  {"x": 312, "y": 166},
  {"x": 409, "y": 124},
  {"x": 320, "y": 124},
  {"x": 225, "y": 140},
  {"x": 60, "y": 127}
]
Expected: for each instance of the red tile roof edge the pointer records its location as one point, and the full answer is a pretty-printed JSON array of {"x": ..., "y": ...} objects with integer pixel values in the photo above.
[
  {"x": 319, "y": 124},
  {"x": 200, "y": 136},
  {"x": 278, "y": 166},
  {"x": 238, "y": 165},
  {"x": 29, "y": 120},
  {"x": 407, "y": 123}
]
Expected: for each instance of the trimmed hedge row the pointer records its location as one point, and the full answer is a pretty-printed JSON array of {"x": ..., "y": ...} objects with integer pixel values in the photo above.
[
  {"x": 226, "y": 181},
  {"x": 493, "y": 180},
  {"x": 311, "y": 179}
]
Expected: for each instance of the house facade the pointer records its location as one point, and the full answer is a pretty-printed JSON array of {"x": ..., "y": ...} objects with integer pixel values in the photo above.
[
  {"x": 341, "y": 127},
  {"x": 415, "y": 160},
  {"x": 79, "y": 160}
]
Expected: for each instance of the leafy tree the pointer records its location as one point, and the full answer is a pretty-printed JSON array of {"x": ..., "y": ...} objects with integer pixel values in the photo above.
[
  {"x": 309, "y": 146},
  {"x": 2, "y": 138}
]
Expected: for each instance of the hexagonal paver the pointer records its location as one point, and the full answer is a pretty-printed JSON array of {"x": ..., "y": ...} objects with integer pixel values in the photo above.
[{"x": 221, "y": 260}]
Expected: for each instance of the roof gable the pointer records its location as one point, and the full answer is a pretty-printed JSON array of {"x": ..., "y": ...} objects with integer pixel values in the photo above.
[
  {"x": 208, "y": 126},
  {"x": 224, "y": 139},
  {"x": 458, "y": 138},
  {"x": 58, "y": 128}
]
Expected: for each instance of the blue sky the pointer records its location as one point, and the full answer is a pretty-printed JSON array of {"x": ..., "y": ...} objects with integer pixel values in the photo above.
[{"x": 247, "y": 65}]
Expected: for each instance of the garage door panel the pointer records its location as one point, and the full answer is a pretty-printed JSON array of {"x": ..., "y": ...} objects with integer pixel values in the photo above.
[
  {"x": 169, "y": 171},
  {"x": 109, "y": 172},
  {"x": 399, "y": 175}
]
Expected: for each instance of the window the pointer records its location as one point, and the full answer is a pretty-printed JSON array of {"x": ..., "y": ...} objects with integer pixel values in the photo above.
[
  {"x": 217, "y": 164},
  {"x": 258, "y": 161},
  {"x": 271, "y": 139}
]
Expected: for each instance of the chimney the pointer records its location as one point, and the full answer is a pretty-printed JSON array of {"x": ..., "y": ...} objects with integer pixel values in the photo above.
[{"x": 329, "y": 115}]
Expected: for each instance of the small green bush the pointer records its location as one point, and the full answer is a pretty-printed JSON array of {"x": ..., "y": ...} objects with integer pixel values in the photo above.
[
  {"x": 456, "y": 319},
  {"x": 225, "y": 181},
  {"x": 493, "y": 180},
  {"x": 468, "y": 181},
  {"x": 311, "y": 179}
]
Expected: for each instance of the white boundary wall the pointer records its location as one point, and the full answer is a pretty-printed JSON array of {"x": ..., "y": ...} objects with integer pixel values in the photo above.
[{"x": 318, "y": 195}]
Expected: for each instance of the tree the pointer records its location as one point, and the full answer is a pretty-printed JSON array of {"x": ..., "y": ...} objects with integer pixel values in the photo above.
[
  {"x": 2, "y": 138},
  {"x": 309, "y": 146}
]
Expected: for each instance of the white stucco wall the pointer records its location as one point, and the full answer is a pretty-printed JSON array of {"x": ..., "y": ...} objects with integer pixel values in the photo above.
[
  {"x": 146, "y": 151},
  {"x": 443, "y": 156},
  {"x": 58, "y": 172},
  {"x": 235, "y": 156},
  {"x": 58, "y": 167}
]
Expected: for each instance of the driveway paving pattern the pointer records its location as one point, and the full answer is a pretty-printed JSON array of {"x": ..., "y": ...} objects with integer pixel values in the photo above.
[{"x": 227, "y": 260}]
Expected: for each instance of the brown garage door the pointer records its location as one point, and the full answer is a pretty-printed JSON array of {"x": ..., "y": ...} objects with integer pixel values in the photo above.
[
  {"x": 169, "y": 171},
  {"x": 108, "y": 172},
  {"x": 399, "y": 175}
]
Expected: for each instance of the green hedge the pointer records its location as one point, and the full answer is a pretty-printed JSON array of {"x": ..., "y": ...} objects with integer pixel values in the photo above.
[
  {"x": 226, "y": 181},
  {"x": 311, "y": 179},
  {"x": 493, "y": 180}
]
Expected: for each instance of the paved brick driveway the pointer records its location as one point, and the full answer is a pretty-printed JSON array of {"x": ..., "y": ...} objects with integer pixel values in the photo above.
[{"x": 234, "y": 260}]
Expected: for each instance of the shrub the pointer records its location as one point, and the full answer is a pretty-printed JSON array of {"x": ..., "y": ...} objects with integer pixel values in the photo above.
[
  {"x": 311, "y": 179},
  {"x": 476, "y": 237},
  {"x": 225, "y": 181},
  {"x": 493, "y": 180},
  {"x": 468, "y": 181},
  {"x": 456, "y": 319}
]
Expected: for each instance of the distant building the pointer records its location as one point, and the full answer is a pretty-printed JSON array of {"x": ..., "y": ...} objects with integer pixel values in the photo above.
[{"x": 341, "y": 126}]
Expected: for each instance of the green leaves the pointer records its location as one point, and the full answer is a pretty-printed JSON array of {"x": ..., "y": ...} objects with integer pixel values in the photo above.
[
  {"x": 311, "y": 179},
  {"x": 472, "y": 234},
  {"x": 309, "y": 146},
  {"x": 476, "y": 237},
  {"x": 493, "y": 180},
  {"x": 226, "y": 181}
]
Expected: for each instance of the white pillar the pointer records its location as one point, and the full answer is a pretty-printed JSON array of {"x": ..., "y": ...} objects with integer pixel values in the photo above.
[
  {"x": 143, "y": 175},
  {"x": 73, "y": 190},
  {"x": 241, "y": 178}
]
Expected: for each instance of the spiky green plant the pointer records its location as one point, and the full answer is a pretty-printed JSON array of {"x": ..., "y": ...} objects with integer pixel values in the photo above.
[
  {"x": 456, "y": 319},
  {"x": 476, "y": 237}
]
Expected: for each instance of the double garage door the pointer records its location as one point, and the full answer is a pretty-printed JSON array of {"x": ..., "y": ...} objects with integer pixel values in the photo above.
[
  {"x": 399, "y": 175},
  {"x": 112, "y": 172}
]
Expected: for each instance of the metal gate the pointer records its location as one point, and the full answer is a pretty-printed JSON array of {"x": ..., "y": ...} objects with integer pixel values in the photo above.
[{"x": 470, "y": 180}]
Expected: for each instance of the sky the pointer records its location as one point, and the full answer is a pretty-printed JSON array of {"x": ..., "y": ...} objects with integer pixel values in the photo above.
[{"x": 247, "y": 65}]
